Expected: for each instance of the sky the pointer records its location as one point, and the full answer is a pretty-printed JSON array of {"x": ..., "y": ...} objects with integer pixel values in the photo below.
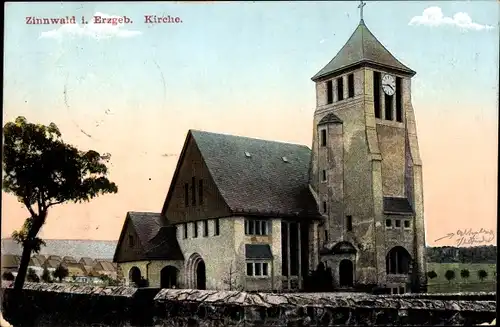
[{"x": 134, "y": 90}]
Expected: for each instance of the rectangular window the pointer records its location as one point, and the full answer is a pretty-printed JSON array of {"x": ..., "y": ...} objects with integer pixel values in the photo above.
[
  {"x": 256, "y": 227},
  {"x": 323, "y": 137},
  {"x": 193, "y": 185},
  {"x": 265, "y": 269},
  {"x": 388, "y": 223},
  {"x": 186, "y": 194},
  {"x": 200, "y": 191},
  {"x": 249, "y": 269},
  {"x": 329, "y": 92},
  {"x": 217, "y": 227},
  {"x": 376, "y": 94},
  {"x": 195, "y": 229},
  {"x": 324, "y": 207},
  {"x": 185, "y": 229},
  {"x": 398, "y": 223},
  {"x": 326, "y": 236},
  {"x": 257, "y": 269},
  {"x": 349, "y": 223},
  {"x": 388, "y": 107},
  {"x": 350, "y": 85},
  {"x": 340, "y": 89},
  {"x": 407, "y": 224},
  {"x": 130, "y": 241},
  {"x": 205, "y": 228},
  {"x": 399, "y": 100},
  {"x": 401, "y": 290},
  {"x": 323, "y": 176}
]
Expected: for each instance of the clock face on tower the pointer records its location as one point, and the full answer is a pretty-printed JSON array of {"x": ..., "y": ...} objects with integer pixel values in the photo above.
[{"x": 389, "y": 84}]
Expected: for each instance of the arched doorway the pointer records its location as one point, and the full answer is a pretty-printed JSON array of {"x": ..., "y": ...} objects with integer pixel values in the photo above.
[
  {"x": 168, "y": 277},
  {"x": 134, "y": 276},
  {"x": 196, "y": 277},
  {"x": 398, "y": 261},
  {"x": 346, "y": 272},
  {"x": 201, "y": 277}
]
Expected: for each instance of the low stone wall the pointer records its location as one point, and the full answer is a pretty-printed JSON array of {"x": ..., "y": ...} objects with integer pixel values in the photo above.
[
  {"x": 42, "y": 304},
  {"x": 225, "y": 308}
]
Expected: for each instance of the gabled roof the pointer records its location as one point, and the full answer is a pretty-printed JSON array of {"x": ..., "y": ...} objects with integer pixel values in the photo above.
[
  {"x": 52, "y": 263},
  {"x": 69, "y": 259},
  {"x": 362, "y": 48},
  {"x": 156, "y": 236},
  {"x": 10, "y": 261},
  {"x": 256, "y": 177},
  {"x": 330, "y": 118},
  {"x": 87, "y": 261}
]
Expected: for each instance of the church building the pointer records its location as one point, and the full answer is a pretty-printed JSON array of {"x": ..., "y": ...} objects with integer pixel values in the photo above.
[{"x": 257, "y": 215}]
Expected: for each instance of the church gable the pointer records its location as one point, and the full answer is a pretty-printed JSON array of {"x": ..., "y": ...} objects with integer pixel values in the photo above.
[
  {"x": 147, "y": 236},
  {"x": 128, "y": 248},
  {"x": 193, "y": 195}
]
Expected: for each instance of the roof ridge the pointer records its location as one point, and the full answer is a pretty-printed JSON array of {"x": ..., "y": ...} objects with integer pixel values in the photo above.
[{"x": 249, "y": 138}]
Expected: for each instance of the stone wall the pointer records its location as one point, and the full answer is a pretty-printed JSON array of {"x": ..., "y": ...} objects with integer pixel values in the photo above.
[{"x": 42, "y": 304}]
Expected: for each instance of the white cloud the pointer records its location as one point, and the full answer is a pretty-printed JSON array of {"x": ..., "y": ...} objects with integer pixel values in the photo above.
[
  {"x": 433, "y": 16},
  {"x": 95, "y": 31}
]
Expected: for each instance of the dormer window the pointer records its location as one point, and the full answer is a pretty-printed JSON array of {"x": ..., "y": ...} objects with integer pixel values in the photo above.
[
  {"x": 323, "y": 137},
  {"x": 340, "y": 89},
  {"x": 329, "y": 92}
]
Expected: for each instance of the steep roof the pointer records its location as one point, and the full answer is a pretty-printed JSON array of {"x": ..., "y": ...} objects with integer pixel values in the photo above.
[
  {"x": 257, "y": 176},
  {"x": 362, "y": 48},
  {"x": 87, "y": 261},
  {"x": 10, "y": 261},
  {"x": 156, "y": 236}
]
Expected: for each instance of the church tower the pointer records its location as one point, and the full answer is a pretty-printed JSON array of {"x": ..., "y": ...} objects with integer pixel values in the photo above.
[{"x": 366, "y": 171}]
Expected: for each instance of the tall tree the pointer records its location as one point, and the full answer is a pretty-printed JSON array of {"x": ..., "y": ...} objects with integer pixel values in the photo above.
[
  {"x": 465, "y": 274},
  {"x": 42, "y": 171},
  {"x": 449, "y": 275}
]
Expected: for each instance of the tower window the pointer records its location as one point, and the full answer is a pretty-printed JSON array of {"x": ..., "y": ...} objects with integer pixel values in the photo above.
[
  {"x": 324, "y": 206},
  {"x": 388, "y": 223},
  {"x": 349, "y": 223},
  {"x": 350, "y": 85},
  {"x": 217, "y": 227},
  {"x": 323, "y": 176},
  {"x": 376, "y": 94},
  {"x": 323, "y": 137},
  {"x": 193, "y": 185},
  {"x": 340, "y": 89},
  {"x": 398, "y": 223},
  {"x": 326, "y": 235},
  {"x": 205, "y": 228},
  {"x": 388, "y": 107},
  {"x": 399, "y": 103},
  {"x": 195, "y": 229},
  {"x": 329, "y": 92},
  {"x": 185, "y": 230},
  {"x": 407, "y": 223},
  {"x": 186, "y": 194},
  {"x": 200, "y": 191}
]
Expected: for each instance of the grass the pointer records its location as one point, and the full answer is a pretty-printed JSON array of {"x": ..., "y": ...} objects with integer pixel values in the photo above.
[{"x": 472, "y": 284}]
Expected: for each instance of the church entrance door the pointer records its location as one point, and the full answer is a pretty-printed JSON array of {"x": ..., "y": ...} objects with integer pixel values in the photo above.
[
  {"x": 201, "y": 278},
  {"x": 346, "y": 272},
  {"x": 168, "y": 277}
]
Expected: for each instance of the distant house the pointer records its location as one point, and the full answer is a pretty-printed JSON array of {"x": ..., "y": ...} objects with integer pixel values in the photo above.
[
  {"x": 103, "y": 267},
  {"x": 51, "y": 264},
  {"x": 69, "y": 259},
  {"x": 75, "y": 269},
  {"x": 86, "y": 261},
  {"x": 36, "y": 262},
  {"x": 10, "y": 262},
  {"x": 40, "y": 257}
]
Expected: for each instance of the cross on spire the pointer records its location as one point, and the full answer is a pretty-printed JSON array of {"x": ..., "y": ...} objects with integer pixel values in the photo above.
[{"x": 361, "y": 5}]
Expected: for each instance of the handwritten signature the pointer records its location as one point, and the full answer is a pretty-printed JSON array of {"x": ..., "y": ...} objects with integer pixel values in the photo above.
[{"x": 470, "y": 237}]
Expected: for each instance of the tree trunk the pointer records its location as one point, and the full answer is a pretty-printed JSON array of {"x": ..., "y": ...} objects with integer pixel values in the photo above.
[{"x": 23, "y": 267}]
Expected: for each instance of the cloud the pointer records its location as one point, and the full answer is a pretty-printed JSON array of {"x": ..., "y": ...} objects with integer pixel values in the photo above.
[
  {"x": 433, "y": 16},
  {"x": 95, "y": 31}
]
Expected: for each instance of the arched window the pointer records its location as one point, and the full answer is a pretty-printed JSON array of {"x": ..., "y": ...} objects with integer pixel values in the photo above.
[{"x": 398, "y": 261}]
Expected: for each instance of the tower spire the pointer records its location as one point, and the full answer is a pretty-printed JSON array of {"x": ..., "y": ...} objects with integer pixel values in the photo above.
[{"x": 361, "y": 5}]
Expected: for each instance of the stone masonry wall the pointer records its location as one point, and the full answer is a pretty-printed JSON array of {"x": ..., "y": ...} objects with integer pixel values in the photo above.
[{"x": 73, "y": 305}]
